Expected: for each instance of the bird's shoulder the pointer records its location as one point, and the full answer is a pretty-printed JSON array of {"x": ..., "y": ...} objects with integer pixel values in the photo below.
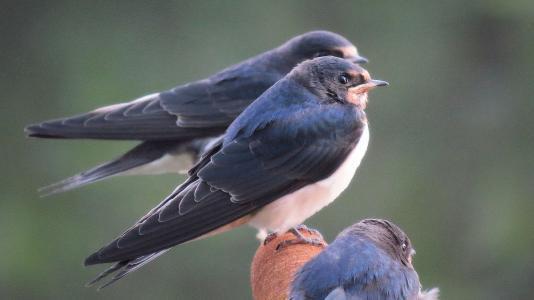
[
  {"x": 258, "y": 68},
  {"x": 218, "y": 99},
  {"x": 292, "y": 111}
]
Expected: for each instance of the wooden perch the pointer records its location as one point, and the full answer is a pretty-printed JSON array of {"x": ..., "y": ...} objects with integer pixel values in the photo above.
[{"x": 272, "y": 270}]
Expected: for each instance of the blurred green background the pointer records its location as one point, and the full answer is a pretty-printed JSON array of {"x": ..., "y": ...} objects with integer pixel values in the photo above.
[{"x": 451, "y": 157}]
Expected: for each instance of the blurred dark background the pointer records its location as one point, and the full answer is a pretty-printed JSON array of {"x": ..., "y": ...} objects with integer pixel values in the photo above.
[{"x": 451, "y": 157}]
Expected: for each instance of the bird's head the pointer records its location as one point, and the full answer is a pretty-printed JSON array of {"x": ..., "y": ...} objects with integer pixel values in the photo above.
[
  {"x": 387, "y": 236},
  {"x": 321, "y": 43},
  {"x": 334, "y": 79}
]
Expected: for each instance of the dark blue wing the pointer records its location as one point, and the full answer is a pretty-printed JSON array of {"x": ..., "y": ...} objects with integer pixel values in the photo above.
[
  {"x": 218, "y": 100},
  {"x": 284, "y": 152},
  {"x": 199, "y": 109}
]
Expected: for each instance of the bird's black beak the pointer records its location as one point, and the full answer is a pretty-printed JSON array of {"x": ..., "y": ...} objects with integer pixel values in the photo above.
[
  {"x": 369, "y": 85},
  {"x": 376, "y": 82},
  {"x": 359, "y": 60}
]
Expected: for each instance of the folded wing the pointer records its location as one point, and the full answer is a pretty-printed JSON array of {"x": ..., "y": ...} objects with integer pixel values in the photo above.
[
  {"x": 235, "y": 178},
  {"x": 199, "y": 109}
]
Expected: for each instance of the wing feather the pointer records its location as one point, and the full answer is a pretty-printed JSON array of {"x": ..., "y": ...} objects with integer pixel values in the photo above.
[
  {"x": 263, "y": 160},
  {"x": 199, "y": 109},
  {"x": 232, "y": 180}
]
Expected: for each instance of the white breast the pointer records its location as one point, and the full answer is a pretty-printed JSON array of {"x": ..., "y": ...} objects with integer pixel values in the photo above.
[{"x": 293, "y": 209}]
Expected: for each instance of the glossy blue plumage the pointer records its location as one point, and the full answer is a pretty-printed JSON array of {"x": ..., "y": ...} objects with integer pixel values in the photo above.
[
  {"x": 292, "y": 136},
  {"x": 355, "y": 266}
]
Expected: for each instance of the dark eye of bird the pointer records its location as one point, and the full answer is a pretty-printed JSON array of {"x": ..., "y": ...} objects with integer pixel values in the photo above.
[
  {"x": 343, "y": 79},
  {"x": 339, "y": 54},
  {"x": 404, "y": 246}
]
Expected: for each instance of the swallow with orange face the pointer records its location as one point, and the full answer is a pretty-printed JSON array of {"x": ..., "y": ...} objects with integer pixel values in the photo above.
[
  {"x": 289, "y": 154},
  {"x": 175, "y": 126}
]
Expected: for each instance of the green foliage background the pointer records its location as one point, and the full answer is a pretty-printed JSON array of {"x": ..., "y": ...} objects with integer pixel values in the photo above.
[{"x": 450, "y": 160}]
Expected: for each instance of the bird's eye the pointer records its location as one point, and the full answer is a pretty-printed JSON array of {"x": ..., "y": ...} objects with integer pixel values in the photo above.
[
  {"x": 404, "y": 246},
  {"x": 343, "y": 79}
]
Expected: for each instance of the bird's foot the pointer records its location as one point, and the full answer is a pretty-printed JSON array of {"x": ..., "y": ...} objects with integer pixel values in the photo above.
[
  {"x": 269, "y": 238},
  {"x": 309, "y": 230},
  {"x": 300, "y": 239}
]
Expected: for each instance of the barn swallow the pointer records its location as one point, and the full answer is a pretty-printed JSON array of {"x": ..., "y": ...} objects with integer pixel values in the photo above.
[
  {"x": 289, "y": 154},
  {"x": 371, "y": 259},
  {"x": 169, "y": 123}
]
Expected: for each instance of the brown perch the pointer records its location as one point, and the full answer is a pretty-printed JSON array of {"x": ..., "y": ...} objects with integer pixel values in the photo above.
[{"x": 272, "y": 270}]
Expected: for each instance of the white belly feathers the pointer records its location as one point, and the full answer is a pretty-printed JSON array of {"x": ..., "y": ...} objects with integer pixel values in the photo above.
[{"x": 293, "y": 209}]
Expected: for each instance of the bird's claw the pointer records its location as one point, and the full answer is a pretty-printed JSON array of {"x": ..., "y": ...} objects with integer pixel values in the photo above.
[
  {"x": 269, "y": 238},
  {"x": 309, "y": 230},
  {"x": 301, "y": 240}
]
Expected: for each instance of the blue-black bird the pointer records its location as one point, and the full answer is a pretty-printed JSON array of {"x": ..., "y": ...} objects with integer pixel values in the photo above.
[
  {"x": 289, "y": 154},
  {"x": 173, "y": 123},
  {"x": 370, "y": 260}
]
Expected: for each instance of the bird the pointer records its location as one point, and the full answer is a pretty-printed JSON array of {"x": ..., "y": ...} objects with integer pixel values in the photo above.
[
  {"x": 289, "y": 154},
  {"x": 371, "y": 259},
  {"x": 174, "y": 125}
]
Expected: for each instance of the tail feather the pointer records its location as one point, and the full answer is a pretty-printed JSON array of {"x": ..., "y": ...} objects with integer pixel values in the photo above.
[
  {"x": 108, "y": 271},
  {"x": 92, "y": 175},
  {"x": 123, "y": 268},
  {"x": 141, "y": 155}
]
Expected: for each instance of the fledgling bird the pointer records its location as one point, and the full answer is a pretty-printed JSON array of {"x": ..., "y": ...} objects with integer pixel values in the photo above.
[
  {"x": 369, "y": 260},
  {"x": 173, "y": 124},
  {"x": 289, "y": 154}
]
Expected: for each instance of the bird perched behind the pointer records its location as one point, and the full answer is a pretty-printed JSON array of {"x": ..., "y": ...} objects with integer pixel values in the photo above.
[
  {"x": 371, "y": 259},
  {"x": 173, "y": 124},
  {"x": 289, "y": 154}
]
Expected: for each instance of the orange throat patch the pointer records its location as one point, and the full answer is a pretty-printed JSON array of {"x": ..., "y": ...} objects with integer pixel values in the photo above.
[{"x": 358, "y": 99}]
